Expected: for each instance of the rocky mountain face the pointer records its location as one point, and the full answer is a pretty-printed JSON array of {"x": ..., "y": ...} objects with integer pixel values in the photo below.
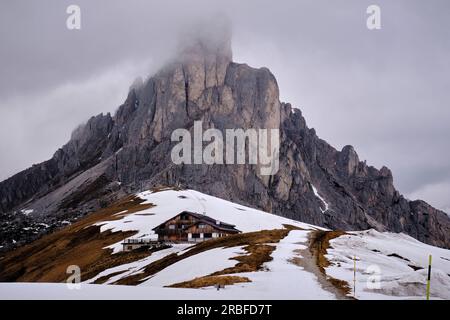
[{"x": 111, "y": 156}]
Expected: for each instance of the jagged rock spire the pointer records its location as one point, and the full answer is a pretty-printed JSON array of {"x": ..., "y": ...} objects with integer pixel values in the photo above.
[{"x": 205, "y": 52}]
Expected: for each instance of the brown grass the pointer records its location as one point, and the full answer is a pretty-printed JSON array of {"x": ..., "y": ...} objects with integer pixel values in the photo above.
[
  {"x": 258, "y": 252},
  {"x": 209, "y": 281},
  {"x": 103, "y": 279},
  {"x": 256, "y": 246},
  {"x": 81, "y": 244},
  {"x": 159, "y": 188},
  {"x": 319, "y": 244},
  {"x": 291, "y": 227},
  {"x": 111, "y": 261},
  {"x": 253, "y": 261},
  {"x": 150, "y": 269}
]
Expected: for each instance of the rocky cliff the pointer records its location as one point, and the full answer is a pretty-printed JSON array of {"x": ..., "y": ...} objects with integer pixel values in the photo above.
[{"x": 110, "y": 156}]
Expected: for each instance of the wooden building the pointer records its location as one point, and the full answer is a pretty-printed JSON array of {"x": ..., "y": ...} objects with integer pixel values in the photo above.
[
  {"x": 193, "y": 227},
  {"x": 131, "y": 244}
]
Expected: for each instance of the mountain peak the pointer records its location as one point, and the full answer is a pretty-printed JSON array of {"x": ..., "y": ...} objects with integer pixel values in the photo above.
[
  {"x": 112, "y": 156},
  {"x": 207, "y": 40}
]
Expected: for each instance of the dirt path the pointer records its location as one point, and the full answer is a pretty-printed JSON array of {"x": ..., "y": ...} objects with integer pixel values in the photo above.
[{"x": 308, "y": 259}]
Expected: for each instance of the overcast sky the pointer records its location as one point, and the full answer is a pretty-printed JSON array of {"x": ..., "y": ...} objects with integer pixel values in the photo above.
[{"x": 386, "y": 92}]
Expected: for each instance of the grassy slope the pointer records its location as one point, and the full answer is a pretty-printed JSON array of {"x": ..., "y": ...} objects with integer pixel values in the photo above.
[
  {"x": 82, "y": 244},
  {"x": 47, "y": 259}
]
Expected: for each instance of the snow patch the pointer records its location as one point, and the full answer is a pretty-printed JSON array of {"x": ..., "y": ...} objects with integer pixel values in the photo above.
[
  {"x": 401, "y": 260},
  {"x": 137, "y": 267},
  {"x": 316, "y": 193},
  {"x": 26, "y": 212},
  {"x": 199, "y": 265},
  {"x": 43, "y": 225},
  {"x": 280, "y": 278}
]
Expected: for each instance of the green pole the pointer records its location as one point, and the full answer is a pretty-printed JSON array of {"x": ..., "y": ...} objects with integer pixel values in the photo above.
[
  {"x": 429, "y": 278},
  {"x": 354, "y": 276}
]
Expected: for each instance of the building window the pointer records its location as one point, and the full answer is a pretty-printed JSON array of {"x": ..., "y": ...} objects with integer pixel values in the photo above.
[
  {"x": 171, "y": 227},
  {"x": 207, "y": 235},
  {"x": 196, "y": 235},
  {"x": 202, "y": 226}
]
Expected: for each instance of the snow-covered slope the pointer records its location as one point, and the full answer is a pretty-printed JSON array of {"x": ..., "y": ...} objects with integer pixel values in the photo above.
[
  {"x": 169, "y": 203},
  {"x": 292, "y": 270},
  {"x": 397, "y": 262}
]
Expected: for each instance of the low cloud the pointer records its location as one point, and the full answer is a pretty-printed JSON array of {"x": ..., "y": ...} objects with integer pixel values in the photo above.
[
  {"x": 34, "y": 126},
  {"x": 435, "y": 193}
]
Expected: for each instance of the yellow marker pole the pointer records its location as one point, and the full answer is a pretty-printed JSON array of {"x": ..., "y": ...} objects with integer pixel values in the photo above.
[
  {"x": 354, "y": 276},
  {"x": 429, "y": 278}
]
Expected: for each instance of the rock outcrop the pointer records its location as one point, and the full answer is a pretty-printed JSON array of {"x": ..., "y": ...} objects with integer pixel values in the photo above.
[{"x": 110, "y": 156}]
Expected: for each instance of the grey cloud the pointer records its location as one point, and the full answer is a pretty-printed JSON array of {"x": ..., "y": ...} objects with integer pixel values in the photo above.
[{"x": 385, "y": 92}]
